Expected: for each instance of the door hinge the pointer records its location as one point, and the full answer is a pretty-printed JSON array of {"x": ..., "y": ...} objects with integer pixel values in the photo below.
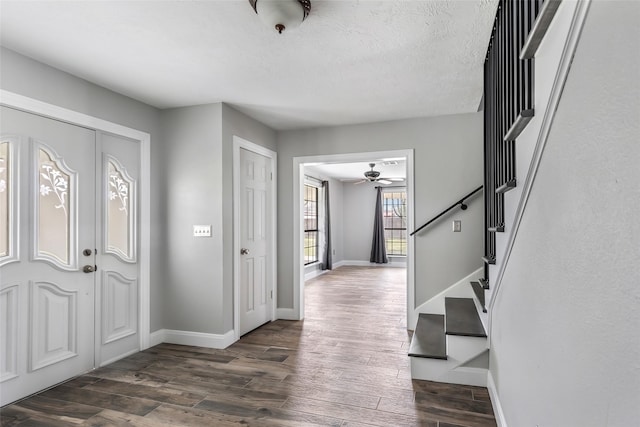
[
  {"x": 271, "y": 173},
  {"x": 271, "y": 294}
]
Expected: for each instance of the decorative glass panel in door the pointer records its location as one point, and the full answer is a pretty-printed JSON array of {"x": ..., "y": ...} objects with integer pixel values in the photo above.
[
  {"x": 120, "y": 209},
  {"x": 55, "y": 211}
]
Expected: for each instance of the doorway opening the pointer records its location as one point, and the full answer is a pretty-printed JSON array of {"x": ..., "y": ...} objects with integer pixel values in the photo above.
[{"x": 352, "y": 226}]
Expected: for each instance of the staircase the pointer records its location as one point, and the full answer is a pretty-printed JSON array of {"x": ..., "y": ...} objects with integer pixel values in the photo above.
[{"x": 452, "y": 347}]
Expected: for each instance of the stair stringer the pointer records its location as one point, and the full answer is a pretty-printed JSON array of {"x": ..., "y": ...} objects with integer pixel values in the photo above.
[
  {"x": 460, "y": 351},
  {"x": 460, "y": 289}
]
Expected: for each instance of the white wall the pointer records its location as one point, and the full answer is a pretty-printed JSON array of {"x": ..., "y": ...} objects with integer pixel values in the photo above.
[
  {"x": 565, "y": 347},
  {"x": 33, "y": 79},
  {"x": 448, "y": 164}
]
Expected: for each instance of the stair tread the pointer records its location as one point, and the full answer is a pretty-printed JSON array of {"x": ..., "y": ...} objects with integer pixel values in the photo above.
[
  {"x": 478, "y": 290},
  {"x": 462, "y": 318},
  {"x": 429, "y": 339}
]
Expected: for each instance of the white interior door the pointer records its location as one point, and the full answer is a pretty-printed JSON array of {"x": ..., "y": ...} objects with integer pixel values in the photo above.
[
  {"x": 255, "y": 266},
  {"x": 47, "y": 284}
]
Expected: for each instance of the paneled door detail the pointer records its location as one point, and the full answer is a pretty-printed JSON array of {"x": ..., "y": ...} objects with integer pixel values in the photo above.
[
  {"x": 9, "y": 332},
  {"x": 255, "y": 194},
  {"x": 119, "y": 302},
  {"x": 48, "y": 296},
  {"x": 54, "y": 313},
  {"x": 117, "y": 311}
]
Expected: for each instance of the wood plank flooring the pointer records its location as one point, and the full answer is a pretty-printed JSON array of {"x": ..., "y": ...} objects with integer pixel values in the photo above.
[{"x": 346, "y": 364}]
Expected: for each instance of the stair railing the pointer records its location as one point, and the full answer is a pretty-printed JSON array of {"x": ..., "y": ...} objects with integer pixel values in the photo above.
[{"x": 460, "y": 202}]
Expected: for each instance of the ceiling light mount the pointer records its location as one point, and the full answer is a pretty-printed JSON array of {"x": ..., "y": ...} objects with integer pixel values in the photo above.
[{"x": 281, "y": 14}]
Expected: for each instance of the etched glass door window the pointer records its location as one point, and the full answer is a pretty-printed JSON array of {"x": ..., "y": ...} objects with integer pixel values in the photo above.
[
  {"x": 55, "y": 210},
  {"x": 120, "y": 211}
]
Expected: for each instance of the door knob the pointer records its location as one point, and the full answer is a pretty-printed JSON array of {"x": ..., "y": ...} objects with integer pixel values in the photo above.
[
  {"x": 89, "y": 268},
  {"x": 87, "y": 252},
  {"x": 244, "y": 251}
]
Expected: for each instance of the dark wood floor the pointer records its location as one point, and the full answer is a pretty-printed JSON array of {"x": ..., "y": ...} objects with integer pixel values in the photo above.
[{"x": 346, "y": 364}]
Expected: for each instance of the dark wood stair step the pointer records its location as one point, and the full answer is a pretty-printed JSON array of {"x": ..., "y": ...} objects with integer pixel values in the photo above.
[
  {"x": 462, "y": 318},
  {"x": 478, "y": 290},
  {"x": 429, "y": 339}
]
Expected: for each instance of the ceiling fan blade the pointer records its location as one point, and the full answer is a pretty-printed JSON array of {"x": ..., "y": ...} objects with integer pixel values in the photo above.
[
  {"x": 362, "y": 181},
  {"x": 384, "y": 181}
]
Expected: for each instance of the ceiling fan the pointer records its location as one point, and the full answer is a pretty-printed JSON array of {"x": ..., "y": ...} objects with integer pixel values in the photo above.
[{"x": 374, "y": 176}]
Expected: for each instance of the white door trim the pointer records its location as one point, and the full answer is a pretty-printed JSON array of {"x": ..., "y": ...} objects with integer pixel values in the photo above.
[
  {"x": 297, "y": 313},
  {"x": 14, "y": 100},
  {"x": 239, "y": 143}
]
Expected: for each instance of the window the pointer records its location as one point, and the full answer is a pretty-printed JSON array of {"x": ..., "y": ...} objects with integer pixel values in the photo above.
[
  {"x": 394, "y": 205},
  {"x": 310, "y": 224}
]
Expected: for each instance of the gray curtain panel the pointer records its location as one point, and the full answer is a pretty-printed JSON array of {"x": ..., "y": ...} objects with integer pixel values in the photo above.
[
  {"x": 378, "y": 249},
  {"x": 327, "y": 261}
]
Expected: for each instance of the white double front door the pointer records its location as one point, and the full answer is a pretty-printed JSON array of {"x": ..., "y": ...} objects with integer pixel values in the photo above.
[{"x": 68, "y": 251}]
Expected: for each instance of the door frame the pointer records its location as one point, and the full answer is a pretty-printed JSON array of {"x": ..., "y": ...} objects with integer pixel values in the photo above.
[
  {"x": 45, "y": 109},
  {"x": 298, "y": 222},
  {"x": 272, "y": 246}
]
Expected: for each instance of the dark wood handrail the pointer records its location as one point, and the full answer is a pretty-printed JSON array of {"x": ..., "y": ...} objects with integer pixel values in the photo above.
[{"x": 459, "y": 202}]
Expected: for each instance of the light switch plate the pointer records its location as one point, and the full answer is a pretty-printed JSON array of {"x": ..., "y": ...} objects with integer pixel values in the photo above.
[
  {"x": 457, "y": 225},
  {"x": 202, "y": 231}
]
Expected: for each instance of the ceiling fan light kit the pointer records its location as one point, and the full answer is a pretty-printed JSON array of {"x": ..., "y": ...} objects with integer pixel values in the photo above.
[
  {"x": 281, "y": 15},
  {"x": 374, "y": 176}
]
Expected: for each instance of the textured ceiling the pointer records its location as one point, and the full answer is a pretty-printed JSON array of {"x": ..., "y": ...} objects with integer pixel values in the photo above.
[{"x": 349, "y": 62}]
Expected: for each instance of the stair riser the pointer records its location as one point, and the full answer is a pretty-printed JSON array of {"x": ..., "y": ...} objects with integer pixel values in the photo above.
[
  {"x": 465, "y": 348},
  {"x": 446, "y": 372}
]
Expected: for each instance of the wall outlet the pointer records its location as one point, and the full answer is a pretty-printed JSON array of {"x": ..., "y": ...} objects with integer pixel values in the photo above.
[
  {"x": 201, "y": 231},
  {"x": 457, "y": 225}
]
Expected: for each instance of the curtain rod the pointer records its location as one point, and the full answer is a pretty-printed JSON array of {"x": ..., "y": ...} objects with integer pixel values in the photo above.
[{"x": 391, "y": 186}]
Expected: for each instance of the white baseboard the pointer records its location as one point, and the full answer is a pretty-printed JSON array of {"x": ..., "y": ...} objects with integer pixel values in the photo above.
[
  {"x": 287, "y": 314},
  {"x": 156, "y": 337},
  {"x": 315, "y": 273},
  {"x": 197, "y": 339},
  {"x": 495, "y": 401},
  {"x": 360, "y": 263}
]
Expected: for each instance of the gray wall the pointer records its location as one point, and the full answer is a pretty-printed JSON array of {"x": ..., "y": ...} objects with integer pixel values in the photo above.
[
  {"x": 27, "y": 77},
  {"x": 198, "y": 180},
  {"x": 442, "y": 257},
  {"x": 359, "y": 206},
  {"x": 192, "y": 180},
  {"x": 337, "y": 200},
  {"x": 565, "y": 346}
]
